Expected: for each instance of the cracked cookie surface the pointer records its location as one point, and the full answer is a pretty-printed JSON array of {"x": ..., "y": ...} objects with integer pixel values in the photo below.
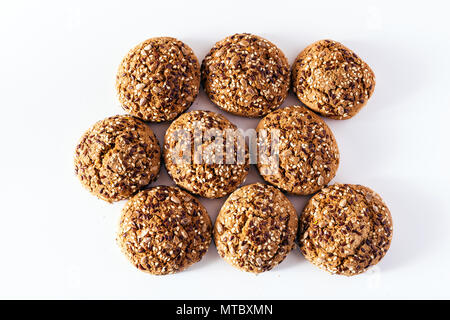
[
  {"x": 332, "y": 80},
  {"x": 246, "y": 75},
  {"x": 158, "y": 79},
  {"x": 256, "y": 228},
  {"x": 164, "y": 230},
  {"x": 344, "y": 229},
  {"x": 308, "y": 151},
  {"x": 211, "y": 174},
  {"x": 116, "y": 157}
]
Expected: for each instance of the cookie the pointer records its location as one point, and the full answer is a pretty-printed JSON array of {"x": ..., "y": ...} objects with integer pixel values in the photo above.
[
  {"x": 256, "y": 228},
  {"x": 246, "y": 75},
  {"x": 203, "y": 166},
  {"x": 158, "y": 79},
  {"x": 164, "y": 230},
  {"x": 345, "y": 229},
  {"x": 307, "y": 150},
  {"x": 117, "y": 157},
  {"x": 332, "y": 80}
]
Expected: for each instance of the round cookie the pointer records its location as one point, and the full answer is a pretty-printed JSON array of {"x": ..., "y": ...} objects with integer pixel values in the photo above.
[
  {"x": 213, "y": 174},
  {"x": 256, "y": 228},
  {"x": 246, "y": 75},
  {"x": 158, "y": 79},
  {"x": 116, "y": 157},
  {"x": 345, "y": 229},
  {"x": 331, "y": 79},
  {"x": 308, "y": 152},
  {"x": 164, "y": 230}
]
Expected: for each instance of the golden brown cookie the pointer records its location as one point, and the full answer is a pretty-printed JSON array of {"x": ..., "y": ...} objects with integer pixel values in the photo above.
[
  {"x": 246, "y": 75},
  {"x": 158, "y": 79},
  {"x": 205, "y": 169},
  {"x": 308, "y": 152},
  {"x": 345, "y": 229},
  {"x": 117, "y": 157},
  {"x": 164, "y": 230},
  {"x": 331, "y": 79},
  {"x": 256, "y": 228}
]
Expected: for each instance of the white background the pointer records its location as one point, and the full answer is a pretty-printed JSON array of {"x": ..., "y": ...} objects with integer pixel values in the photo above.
[{"x": 57, "y": 71}]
